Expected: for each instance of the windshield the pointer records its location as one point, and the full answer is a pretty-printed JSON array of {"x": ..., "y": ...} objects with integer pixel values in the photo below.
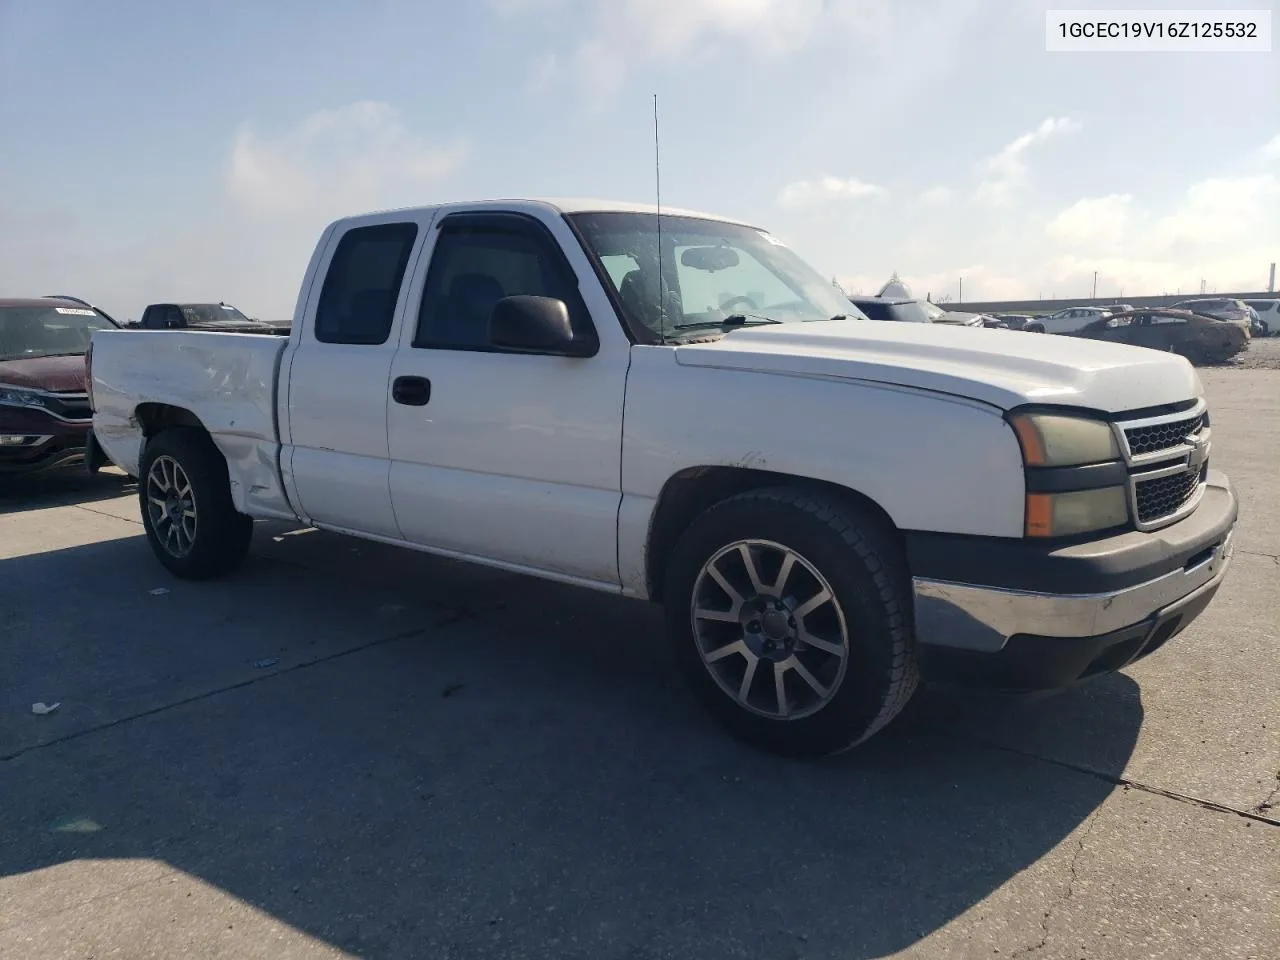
[
  {"x": 39, "y": 331},
  {"x": 713, "y": 274},
  {"x": 211, "y": 313}
]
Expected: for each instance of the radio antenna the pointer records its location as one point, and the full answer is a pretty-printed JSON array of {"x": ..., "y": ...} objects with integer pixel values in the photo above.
[{"x": 657, "y": 184}]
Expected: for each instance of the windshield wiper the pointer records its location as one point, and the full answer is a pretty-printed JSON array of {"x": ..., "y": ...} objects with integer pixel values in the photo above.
[{"x": 733, "y": 320}]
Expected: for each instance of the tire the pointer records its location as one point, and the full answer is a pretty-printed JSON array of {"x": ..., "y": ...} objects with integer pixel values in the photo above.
[
  {"x": 1034, "y": 328},
  {"x": 836, "y": 547},
  {"x": 216, "y": 540}
]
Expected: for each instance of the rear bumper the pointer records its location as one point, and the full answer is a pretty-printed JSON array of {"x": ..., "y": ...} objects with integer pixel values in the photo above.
[{"x": 1036, "y": 619}]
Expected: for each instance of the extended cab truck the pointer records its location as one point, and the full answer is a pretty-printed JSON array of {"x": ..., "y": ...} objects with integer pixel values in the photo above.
[{"x": 829, "y": 508}]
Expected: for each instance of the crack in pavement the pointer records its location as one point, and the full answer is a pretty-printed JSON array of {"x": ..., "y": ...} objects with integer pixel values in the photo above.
[
  {"x": 1256, "y": 814},
  {"x": 1068, "y": 889},
  {"x": 103, "y": 513},
  {"x": 113, "y": 892},
  {"x": 454, "y": 617},
  {"x": 1255, "y": 553}
]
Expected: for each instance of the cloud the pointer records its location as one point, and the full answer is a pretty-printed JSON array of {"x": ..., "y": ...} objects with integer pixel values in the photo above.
[
  {"x": 804, "y": 194},
  {"x": 1098, "y": 221},
  {"x": 278, "y": 188},
  {"x": 1221, "y": 212},
  {"x": 621, "y": 35},
  {"x": 935, "y": 196},
  {"x": 1272, "y": 149},
  {"x": 356, "y": 157},
  {"x": 1220, "y": 231},
  {"x": 1006, "y": 170}
]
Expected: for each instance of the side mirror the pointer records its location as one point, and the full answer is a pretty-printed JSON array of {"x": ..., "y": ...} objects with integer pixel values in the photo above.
[{"x": 536, "y": 325}]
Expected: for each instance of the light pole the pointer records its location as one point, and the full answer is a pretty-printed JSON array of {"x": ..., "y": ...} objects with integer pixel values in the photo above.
[{"x": 1095, "y": 286}]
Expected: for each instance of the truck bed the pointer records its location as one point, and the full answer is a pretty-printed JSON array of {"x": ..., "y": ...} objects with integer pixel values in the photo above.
[{"x": 227, "y": 381}]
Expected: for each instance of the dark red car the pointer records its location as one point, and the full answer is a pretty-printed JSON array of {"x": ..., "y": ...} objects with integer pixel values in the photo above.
[{"x": 45, "y": 417}]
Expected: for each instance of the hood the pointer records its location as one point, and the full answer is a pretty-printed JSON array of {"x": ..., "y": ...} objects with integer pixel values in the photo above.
[
  {"x": 55, "y": 374},
  {"x": 980, "y": 364}
]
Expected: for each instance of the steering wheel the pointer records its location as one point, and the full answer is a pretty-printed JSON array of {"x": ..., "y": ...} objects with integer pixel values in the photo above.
[{"x": 751, "y": 304}]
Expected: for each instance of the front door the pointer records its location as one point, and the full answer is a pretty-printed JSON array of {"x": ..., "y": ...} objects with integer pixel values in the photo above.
[{"x": 510, "y": 457}]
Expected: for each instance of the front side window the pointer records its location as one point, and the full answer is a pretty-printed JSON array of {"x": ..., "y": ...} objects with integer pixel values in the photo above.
[
  {"x": 472, "y": 268},
  {"x": 708, "y": 274},
  {"x": 28, "y": 332},
  {"x": 358, "y": 300}
]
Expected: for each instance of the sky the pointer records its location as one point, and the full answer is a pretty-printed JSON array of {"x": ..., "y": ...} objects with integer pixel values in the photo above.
[{"x": 156, "y": 151}]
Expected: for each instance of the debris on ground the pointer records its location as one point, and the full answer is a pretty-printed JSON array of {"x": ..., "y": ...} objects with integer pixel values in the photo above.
[
  {"x": 159, "y": 591},
  {"x": 41, "y": 709},
  {"x": 265, "y": 662}
]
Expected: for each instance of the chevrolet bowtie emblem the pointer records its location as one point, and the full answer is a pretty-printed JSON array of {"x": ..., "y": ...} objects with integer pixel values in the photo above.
[{"x": 1199, "y": 453}]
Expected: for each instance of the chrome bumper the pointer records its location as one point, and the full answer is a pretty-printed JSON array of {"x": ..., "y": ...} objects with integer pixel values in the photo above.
[{"x": 982, "y": 619}]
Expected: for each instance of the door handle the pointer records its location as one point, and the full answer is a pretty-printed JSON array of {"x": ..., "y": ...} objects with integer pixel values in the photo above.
[{"x": 411, "y": 391}]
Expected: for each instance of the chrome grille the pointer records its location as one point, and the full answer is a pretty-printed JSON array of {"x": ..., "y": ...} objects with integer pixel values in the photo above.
[
  {"x": 1153, "y": 438},
  {"x": 1163, "y": 497}
]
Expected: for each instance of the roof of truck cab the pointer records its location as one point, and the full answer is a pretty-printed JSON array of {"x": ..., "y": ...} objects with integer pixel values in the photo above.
[{"x": 564, "y": 205}]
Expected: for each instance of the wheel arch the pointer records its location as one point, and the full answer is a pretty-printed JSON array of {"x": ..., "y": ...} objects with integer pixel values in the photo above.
[
  {"x": 154, "y": 417},
  {"x": 689, "y": 492}
]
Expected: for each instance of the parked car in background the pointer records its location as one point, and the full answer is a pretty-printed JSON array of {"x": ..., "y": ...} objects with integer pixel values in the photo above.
[
  {"x": 1224, "y": 308},
  {"x": 1268, "y": 312},
  {"x": 219, "y": 317},
  {"x": 910, "y": 310},
  {"x": 1066, "y": 321},
  {"x": 84, "y": 303},
  {"x": 45, "y": 416},
  {"x": 1198, "y": 337},
  {"x": 1012, "y": 321},
  {"x": 830, "y": 509}
]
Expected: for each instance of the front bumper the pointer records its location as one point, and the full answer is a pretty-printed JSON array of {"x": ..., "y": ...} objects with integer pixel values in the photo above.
[
  {"x": 47, "y": 442},
  {"x": 1036, "y": 618}
]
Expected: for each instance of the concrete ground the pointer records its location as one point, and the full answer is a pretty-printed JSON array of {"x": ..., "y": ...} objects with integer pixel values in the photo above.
[{"x": 355, "y": 750}]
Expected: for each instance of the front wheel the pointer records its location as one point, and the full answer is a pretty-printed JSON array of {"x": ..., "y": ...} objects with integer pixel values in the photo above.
[
  {"x": 185, "y": 494},
  {"x": 790, "y": 613}
]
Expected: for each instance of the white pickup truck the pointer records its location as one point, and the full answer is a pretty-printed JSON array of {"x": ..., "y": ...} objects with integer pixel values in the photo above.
[{"x": 676, "y": 408}]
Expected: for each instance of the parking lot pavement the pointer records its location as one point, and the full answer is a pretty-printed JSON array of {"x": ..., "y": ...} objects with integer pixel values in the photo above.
[{"x": 354, "y": 750}]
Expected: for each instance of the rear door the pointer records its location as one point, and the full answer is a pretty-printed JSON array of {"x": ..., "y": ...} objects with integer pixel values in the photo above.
[
  {"x": 508, "y": 457},
  {"x": 337, "y": 458}
]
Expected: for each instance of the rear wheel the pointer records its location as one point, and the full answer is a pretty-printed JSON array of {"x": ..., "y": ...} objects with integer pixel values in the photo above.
[
  {"x": 790, "y": 614},
  {"x": 1034, "y": 328},
  {"x": 185, "y": 494}
]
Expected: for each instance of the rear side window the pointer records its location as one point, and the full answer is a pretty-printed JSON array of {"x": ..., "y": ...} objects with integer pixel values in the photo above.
[{"x": 358, "y": 299}]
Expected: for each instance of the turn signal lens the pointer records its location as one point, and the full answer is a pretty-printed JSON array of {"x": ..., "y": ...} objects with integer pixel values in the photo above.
[{"x": 1080, "y": 511}]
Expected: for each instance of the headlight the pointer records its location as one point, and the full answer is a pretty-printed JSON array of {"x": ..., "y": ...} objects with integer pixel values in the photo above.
[
  {"x": 19, "y": 397},
  {"x": 1059, "y": 440},
  {"x": 1076, "y": 479}
]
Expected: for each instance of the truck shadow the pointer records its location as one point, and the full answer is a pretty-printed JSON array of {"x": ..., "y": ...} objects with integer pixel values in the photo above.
[
  {"x": 518, "y": 772},
  {"x": 62, "y": 488}
]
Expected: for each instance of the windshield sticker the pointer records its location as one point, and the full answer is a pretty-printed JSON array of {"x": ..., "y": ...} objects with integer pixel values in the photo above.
[
  {"x": 227, "y": 308},
  {"x": 75, "y": 311}
]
